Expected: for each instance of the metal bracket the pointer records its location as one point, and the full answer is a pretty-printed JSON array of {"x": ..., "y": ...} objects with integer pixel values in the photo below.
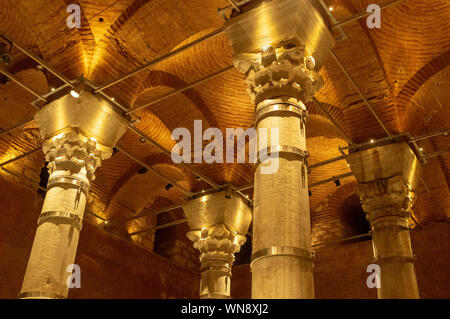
[
  {"x": 281, "y": 251},
  {"x": 69, "y": 181},
  {"x": 61, "y": 217}
]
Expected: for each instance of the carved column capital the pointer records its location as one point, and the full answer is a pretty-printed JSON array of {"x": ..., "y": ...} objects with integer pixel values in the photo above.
[
  {"x": 72, "y": 151},
  {"x": 386, "y": 198},
  {"x": 216, "y": 242},
  {"x": 279, "y": 72}
]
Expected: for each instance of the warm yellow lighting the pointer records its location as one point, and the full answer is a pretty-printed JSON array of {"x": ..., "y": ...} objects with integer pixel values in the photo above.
[
  {"x": 331, "y": 8},
  {"x": 266, "y": 48},
  {"x": 52, "y": 89},
  {"x": 93, "y": 139},
  {"x": 372, "y": 141},
  {"x": 75, "y": 94},
  {"x": 203, "y": 199},
  {"x": 59, "y": 135},
  {"x": 421, "y": 149}
]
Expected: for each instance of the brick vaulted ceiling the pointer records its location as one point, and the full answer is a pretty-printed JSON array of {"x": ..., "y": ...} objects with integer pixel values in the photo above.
[{"x": 403, "y": 69}]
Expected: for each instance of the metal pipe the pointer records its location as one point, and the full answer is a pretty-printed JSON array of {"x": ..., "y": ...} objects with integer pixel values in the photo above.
[
  {"x": 21, "y": 84},
  {"x": 438, "y": 153},
  {"x": 160, "y": 59},
  {"x": 176, "y": 222},
  {"x": 40, "y": 61},
  {"x": 23, "y": 178},
  {"x": 17, "y": 126},
  {"x": 180, "y": 90},
  {"x": 342, "y": 240},
  {"x": 19, "y": 157},
  {"x": 360, "y": 93},
  {"x": 444, "y": 132},
  {"x": 331, "y": 179},
  {"x": 363, "y": 14},
  {"x": 165, "y": 151},
  {"x": 181, "y": 188},
  {"x": 156, "y": 212},
  {"x": 338, "y": 127},
  {"x": 331, "y": 160}
]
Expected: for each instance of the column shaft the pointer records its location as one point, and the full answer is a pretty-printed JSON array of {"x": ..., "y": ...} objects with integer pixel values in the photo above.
[
  {"x": 281, "y": 213},
  {"x": 393, "y": 253},
  {"x": 55, "y": 243}
]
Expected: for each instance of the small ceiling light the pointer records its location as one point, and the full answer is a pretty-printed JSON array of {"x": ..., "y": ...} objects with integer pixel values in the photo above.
[
  {"x": 203, "y": 190},
  {"x": 331, "y": 8},
  {"x": 142, "y": 140},
  {"x": 106, "y": 222},
  {"x": 421, "y": 149},
  {"x": 372, "y": 141},
  {"x": 113, "y": 99},
  {"x": 75, "y": 94},
  {"x": 78, "y": 89},
  {"x": 52, "y": 89}
]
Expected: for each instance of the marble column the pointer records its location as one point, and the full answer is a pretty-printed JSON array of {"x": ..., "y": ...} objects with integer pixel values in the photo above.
[
  {"x": 388, "y": 177},
  {"x": 78, "y": 134},
  {"x": 219, "y": 223},
  {"x": 279, "y": 46}
]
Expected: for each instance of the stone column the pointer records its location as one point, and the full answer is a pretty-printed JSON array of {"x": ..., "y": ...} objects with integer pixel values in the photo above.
[
  {"x": 73, "y": 158},
  {"x": 217, "y": 246},
  {"x": 388, "y": 177},
  {"x": 275, "y": 47},
  {"x": 219, "y": 223}
]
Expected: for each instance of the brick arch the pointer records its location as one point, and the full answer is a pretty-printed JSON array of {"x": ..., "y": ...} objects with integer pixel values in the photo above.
[
  {"x": 408, "y": 110},
  {"x": 325, "y": 217},
  {"x": 156, "y": 78}
]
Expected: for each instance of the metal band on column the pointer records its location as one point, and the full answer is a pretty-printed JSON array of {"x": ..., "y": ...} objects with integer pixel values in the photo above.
[
  {"x": 281, "y": 251},
  {"x": 62, "y": 217},
  {"x": 39, "y": 295},
  {"x": 68, "y": 181},
  {"x": 280, "y": 107},
  {"x": 282, "y": 151},
  {"x": 214, "y": 296},
  {"x": 394, "y": 258}
]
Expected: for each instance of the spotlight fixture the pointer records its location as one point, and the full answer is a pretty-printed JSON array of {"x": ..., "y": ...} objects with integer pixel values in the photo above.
[
  {"x": 75, "y": 94},
  {"x": 142, "y": 140},
  {"x": 5, "y": 56},
  {"x": 143, "y": 170},
  {"x": 421, "y": 149},
  {"x": 168, "y": 186},
  {"x": 372, "y": 141},
  {"x": 331, "y": 8},
  {"x": 337, "y": 182},
  {"x": 77, "y": 90}
]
